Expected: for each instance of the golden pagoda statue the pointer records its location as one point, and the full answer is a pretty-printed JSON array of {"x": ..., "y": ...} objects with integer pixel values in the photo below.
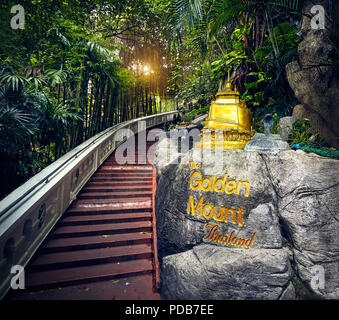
[{"x": 228, "y": 125}]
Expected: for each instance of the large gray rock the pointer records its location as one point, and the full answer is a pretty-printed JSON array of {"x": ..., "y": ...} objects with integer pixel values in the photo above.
[
  {"x": 316, "y": 88},
  {"x": 178, "y": 230},
  {"x": 307, "y": 186},
  {"x": 285, "y": 127},
  {"x": 209, "y": 272},
  {"x": 292, "y": 202}
]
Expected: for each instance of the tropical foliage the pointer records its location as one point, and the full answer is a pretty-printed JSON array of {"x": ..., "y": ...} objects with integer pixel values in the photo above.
[
  {"x": 253, "y": 39},
  {"x": 75, "y": 69}
]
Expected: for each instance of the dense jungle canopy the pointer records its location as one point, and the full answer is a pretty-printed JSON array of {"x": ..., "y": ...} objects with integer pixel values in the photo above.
[{"x": 78, "y": 67}]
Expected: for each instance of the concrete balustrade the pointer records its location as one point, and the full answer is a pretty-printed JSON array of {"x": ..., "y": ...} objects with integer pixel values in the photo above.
[{"x": 28, "y": 214}]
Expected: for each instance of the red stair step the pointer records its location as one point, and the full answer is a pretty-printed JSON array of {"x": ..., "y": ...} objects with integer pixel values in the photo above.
[
  {"x": 116, "y": 188},
  {"x": 143, "y": 202},
  {"x": 82, "y": 206},
  {"x": 139, "y": 287},
  {"x": 110, "y": 195},
  {"x": 117, "y": 179},
  {"x": 105, "y": 218},
  {"x": 126, "y": 168},
  {"x": 84, "y": 274},
  {"x": 90, "y": 256},
  {"x": 99, "y": 241},
  {"x": 118, "y": 170},
  {"x": 120, "y": 184},
  {"x": 110, "y": 228}
]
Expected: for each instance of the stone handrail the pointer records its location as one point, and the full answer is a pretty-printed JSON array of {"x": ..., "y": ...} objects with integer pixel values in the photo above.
[{"x": 28, "y": 214}]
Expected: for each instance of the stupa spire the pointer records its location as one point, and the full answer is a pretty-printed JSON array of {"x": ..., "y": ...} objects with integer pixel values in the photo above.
[{"x": 228, "y": 122}]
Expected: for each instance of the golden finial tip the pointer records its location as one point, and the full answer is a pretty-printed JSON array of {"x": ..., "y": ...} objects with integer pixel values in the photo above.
[{"x": 228, "y": 82}]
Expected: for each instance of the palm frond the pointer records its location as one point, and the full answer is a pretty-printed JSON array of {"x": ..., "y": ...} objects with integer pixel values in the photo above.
[
  {"x": 10, "y": 114},
  {"x": 188, "y": 13},
  {"x": 223, "y": 12},
  {"x": 97, "y": 48},
  {"x": 12, "y": 79},
  {"x": 62, "y": 113},
  {"x": 37, "y": 82},
  {"x": 55, "y": 77},
  {"x": 16, "y": 126}
]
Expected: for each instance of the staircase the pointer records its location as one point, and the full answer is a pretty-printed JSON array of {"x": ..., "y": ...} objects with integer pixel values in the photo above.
[{"x": 104, "y": 246}]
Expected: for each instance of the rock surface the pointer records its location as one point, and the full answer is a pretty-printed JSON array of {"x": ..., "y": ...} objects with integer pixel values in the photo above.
[
  {"x": 215, "y": 273},
  {"x": 262, "y": 143},
  {"x": 316, "y": 88},
  {"x": 292, "y": 203},
  {"x": 308, "y": 189},
  {"x": 285, "y": 126},
  {"x": 173, "y": 198}
]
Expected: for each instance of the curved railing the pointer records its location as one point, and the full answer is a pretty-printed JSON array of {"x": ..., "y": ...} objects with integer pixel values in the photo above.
[{"x": 28, "y": 214}]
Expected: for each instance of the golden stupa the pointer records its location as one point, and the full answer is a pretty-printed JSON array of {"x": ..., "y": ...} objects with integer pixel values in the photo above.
[{"x": 228, "y": 125}]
